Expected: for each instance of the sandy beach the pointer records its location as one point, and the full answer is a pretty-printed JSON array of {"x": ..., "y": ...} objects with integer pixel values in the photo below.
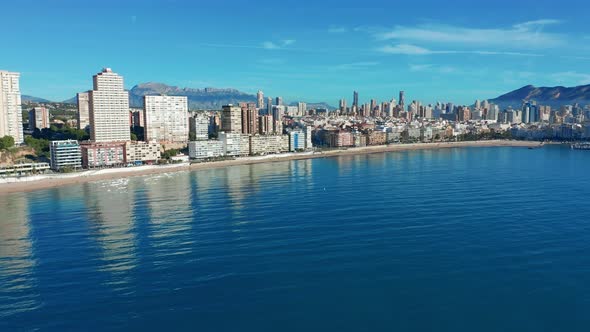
[{"x": 38, "y": 182}]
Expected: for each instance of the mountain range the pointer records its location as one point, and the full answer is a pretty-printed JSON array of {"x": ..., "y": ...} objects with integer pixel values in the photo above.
[
  {"x": 552, "y": 96},
  {"x": 214, "y": 98}
]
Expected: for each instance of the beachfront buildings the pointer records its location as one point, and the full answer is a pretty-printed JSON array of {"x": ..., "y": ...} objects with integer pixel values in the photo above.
[
  {"x": 107, "y": 154},
  {"x": 109, "y": 108},
  {"x": 139, "y": 153},
  {"x": 205, "y": 149},
  {"x": 38, "y": 118},
  {"x": 83, "y": 110},
  {"x": 296, "y": 140},
  {"x": 266, "y": 144},
  {"x": 11, "y": 123},
  {"x": 166, "y": 119},
  {"x": 65, "y": 155}
]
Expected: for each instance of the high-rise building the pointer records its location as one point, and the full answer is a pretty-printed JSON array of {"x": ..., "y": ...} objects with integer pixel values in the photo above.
[
  {"x": 166, "y": 119},
  {"x": 199, "y": 126},
  {"x": 279, "y": 101},
  {"x": 342, "y": 106},
  {"x": 231, "y": 119},
  {"x": 265, "y": 125},
  {"x": 402, "y": 99},
  {"x": 38, "y": 118},
  {"x": 260, "y": 99},
  {"x": 301, "y": 109},
  {"x": 249, "y": 118},
  {"x": 109, "y": 108},
  {"x": 269, "y": 106},
  {"x": 11, "y": 119},
  {"x": 355, "y": 99},
  {"x": 83, "y": 110}
]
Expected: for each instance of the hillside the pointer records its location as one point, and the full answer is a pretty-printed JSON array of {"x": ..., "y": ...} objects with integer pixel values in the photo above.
[{"x": 553, "y": 96}]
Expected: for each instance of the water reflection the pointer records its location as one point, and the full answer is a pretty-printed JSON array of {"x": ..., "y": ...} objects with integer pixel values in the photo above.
[
  {"x": 16, "y": 257},
  {"x": 110, "y": 212}
]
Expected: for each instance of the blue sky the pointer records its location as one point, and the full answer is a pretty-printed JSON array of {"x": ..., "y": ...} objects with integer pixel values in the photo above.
[{"x": 434, "y": 50}]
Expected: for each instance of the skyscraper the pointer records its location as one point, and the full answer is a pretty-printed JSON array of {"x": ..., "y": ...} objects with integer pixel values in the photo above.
[
  {"x": 231, "y": 119},
  {"x": 279, "y": 101},
  {"x": 166, "y": 119},
  {"x": 38, "y": 118},
  {"x": 301, "y": 108},
  {"x": 402, "y": 99},
  {"x": 269, "y": 106},
  {"x": 249, "y": 118},
  {"x": 109, "y": 108},
  {"x": 355, "y": 99},
  {"x": 11, "y": 120},
  {"x": 260, "y": 99},
  {"x": 342, "y": 106},
  {"x": 83, "y": 110}
]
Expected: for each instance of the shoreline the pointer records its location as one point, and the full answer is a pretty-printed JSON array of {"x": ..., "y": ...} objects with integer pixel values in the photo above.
[{"x": 40, "y": 182}]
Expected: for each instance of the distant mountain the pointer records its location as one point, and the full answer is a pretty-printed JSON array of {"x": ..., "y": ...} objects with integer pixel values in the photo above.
[
  {"x": 316, "y": 106},
  {"x": 553, "y": 96},
  {"x": 31, "y": 99},
  {"x": 207, "y": 98}
]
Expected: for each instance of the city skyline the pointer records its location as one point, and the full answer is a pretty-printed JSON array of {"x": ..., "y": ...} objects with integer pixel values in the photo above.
[{"x": 431, "y": 52}]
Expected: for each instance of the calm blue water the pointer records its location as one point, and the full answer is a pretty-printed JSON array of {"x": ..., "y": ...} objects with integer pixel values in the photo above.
[{"x": 494, "y": 239}]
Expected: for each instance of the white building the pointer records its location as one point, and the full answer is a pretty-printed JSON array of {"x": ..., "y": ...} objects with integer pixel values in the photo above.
[
  {"x": 296, "y": 140},
  {"x": 267, "y": 144},
  {"x": 65, "y": 154},
  {"x": 83, "y": 110},
  {"x": 205, "y": 149},
  {"x": 142, "y": 152},
  {"x": 232, "y": 143},
  {"x": 166, "y": 119},
  {"x": 11, "y": 120},
  {"x": 199, "y": 125},
  {"x": 301, "y": 109},
  {"x": 109, "y": 108}
]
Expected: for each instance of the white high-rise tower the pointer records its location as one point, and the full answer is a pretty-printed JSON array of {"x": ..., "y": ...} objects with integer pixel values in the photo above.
[
  {"x": 109, "y": 108},
  {"x": 11, "y": 119}
]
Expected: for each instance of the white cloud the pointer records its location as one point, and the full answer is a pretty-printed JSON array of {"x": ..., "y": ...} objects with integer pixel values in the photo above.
[
  {"x": 269, "y": 45},
  {"x": 337, "y": 29},
  {"x": 522, "y": 35},
  {"x": 570, "y": 77},
  {"x": 356, "y": 65},
  {"x": 405, "y": 49},
  {"x": 409, "y": 49},
  {"x": 432, "y": 68}
]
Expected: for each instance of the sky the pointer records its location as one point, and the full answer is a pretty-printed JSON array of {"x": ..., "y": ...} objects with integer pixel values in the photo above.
[{"x": 434, "y": 50}]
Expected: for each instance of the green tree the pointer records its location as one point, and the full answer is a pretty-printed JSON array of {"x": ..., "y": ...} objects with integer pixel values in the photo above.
[
  {"x": 133, "y": 137},
  {"x": 6, "y": 142}
]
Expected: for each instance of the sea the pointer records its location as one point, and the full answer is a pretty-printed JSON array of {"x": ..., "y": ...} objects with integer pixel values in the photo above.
[{"x": 461, "y": 239}]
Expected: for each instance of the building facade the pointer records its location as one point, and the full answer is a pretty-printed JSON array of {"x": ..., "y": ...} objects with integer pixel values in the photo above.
[
  {"x": 199, "y": 126},
  {"x": 166, "y": 119},
  {"x": 231, "y": 119},
  {"x": 11, "y": 120},
  {"x": 65, "y": 154},
  {"x": 103, "y": 154},
  {"x": 109, "y": 108},
  {"x": 205, "y": 149},
  {"x": 83, "y": 110},
  {"x": 140, "y": 153},
  {"x": 296, "y": 140},
  {"x": 38, "y": 118}
]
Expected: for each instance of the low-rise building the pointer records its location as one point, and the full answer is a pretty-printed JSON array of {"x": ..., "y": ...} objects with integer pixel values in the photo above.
[
  {"x": 205, "y": 149},
  {"x": 65, "y": 155},
  {"x": 140, "y": 153},
  {"x": 265, "y": 144},
  {"x": 103, "y": 154},
  {"x": 376, "y": 138}
]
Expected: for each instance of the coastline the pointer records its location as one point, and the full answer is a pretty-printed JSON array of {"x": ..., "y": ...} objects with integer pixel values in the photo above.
[{"x": 40, "y": 182}]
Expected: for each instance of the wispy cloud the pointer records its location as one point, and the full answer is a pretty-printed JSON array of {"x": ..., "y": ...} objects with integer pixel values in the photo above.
[
  {"x": 269, "y": 45},
  {"x": 409, "y": 49},
  {"x": 570, "y": 77},
  {"x": 356, "y": 65},
  {"x": 432, "y": 68},
  {"x": 522, "y": 35},
  {"x": 337, "y": 29}
]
